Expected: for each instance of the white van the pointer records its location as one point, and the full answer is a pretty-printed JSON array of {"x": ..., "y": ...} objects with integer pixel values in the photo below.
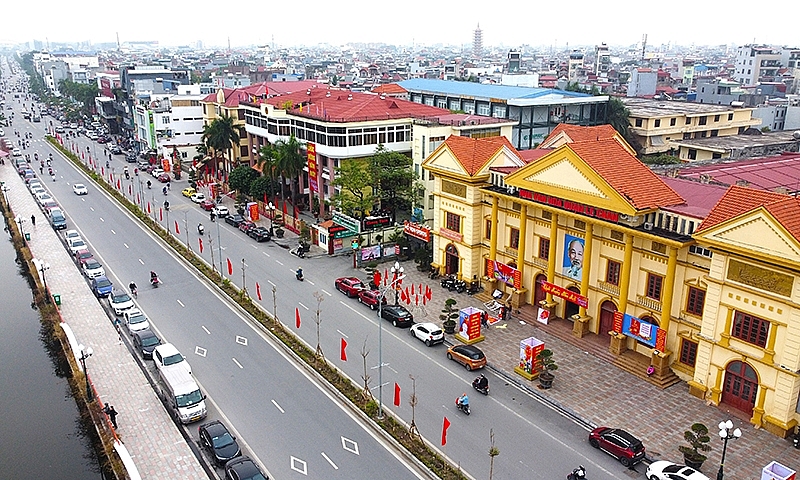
[{"x": 184, "y": 398}]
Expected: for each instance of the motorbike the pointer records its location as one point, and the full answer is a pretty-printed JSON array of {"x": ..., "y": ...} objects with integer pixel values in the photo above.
[
  {"x": 299, "y": 276},
  {"x": 155, "y": 282},
  {"x": 462, "y": 407},
  {"x": 577, "y": 474},
  {"x": 460, "y": 286},
  {"x": 299, "y": 251},
  {"x": 796, "y": 438},
  {"x": 448, "y": 281},
  {"x": 434, "y": 274},
  {"x": 201, "y": 229},
  {"x": 474, "y": 288},
  {"x": 477, "y": 387}
]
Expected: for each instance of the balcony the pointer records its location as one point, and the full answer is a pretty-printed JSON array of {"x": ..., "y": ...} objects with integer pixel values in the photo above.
[
  {"x": 608, "y": 288},
  {"x": 648, "y": 303}
]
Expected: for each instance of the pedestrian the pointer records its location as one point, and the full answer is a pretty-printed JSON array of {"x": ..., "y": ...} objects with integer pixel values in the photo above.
[
  {"x": 112, "y": 414},
  {"x": 33, "y": 220}
]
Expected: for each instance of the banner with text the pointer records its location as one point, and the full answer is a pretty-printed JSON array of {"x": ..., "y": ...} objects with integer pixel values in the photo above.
[
  {"x": 642, "y": 331},
  {"x": 568, "y": 295}
]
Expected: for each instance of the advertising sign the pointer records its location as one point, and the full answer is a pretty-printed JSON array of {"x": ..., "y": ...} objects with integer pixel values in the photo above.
[
  {"x": 371, "y": 223},
  {"x": 347, "y": 221},
  {"x": 502, "y": 272},
  {"x": 543, "y": 316},
  {"x": 165, "y": 165},
  {"x": 311, "y": 150},
  {"x": 567, "y": 295},
  {"x": 417, "y": 231},
  {"x": 528, "y": 349},
  {"x": 572, "y": 262},
  {"x": 252, "y": 209},
  {"x": 644, "y": 332},
  {"x": 338, "y": 231},
  {"x": 469, "y": 323},
  {"x": 450, "y": 235},
  {"x": 391, "y": 250},
  {"x": 569, "y": 205},
  {"x": 151, "y": 141},
  {"x": 370, "y": 253}
]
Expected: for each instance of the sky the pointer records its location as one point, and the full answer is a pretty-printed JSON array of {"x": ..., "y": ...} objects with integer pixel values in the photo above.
[{"x": 504, "y": 23}]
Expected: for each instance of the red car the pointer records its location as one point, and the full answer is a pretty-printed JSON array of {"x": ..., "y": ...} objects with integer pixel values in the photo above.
[
  {"x": 350, "y": 286},
  {"x": 370, "y": 298},
  {"x": 618, "y": 443},
  {"x": 207, "y": 205},
  {"x": 163, "y": 178},
  {"x": 81, "y": 256},
  {"x": 246, "y": 226}
]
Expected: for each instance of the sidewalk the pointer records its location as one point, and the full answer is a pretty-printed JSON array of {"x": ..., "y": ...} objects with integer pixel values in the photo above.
[
  {"x": 589, "y": 387},
  {"x": 154, "y": 442}
]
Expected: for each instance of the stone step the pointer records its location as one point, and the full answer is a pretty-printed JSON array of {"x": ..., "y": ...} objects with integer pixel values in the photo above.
[{"x": 636, "y": 365}]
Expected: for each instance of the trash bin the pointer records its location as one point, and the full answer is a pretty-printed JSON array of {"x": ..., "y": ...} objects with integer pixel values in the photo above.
[
  {"x": 57, "y": 298},
  {"x": 27, "y": 237}
]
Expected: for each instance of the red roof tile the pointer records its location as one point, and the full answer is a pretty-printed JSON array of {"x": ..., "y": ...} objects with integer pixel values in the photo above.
[
  {"x": 474, "y": 153},
  {"x": 578, "y": 133},
  {"x": 626, "y": 174},
  {"x": 740, "y": 200},
  {"x": 389, "y": 88}
]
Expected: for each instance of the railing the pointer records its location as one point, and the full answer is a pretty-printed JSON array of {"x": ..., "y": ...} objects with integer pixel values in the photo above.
[
  {"x": 648, "y": 303},
  {"x": 608, "y": 288}
]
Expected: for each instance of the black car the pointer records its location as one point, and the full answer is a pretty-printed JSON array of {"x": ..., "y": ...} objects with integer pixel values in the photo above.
[
  {"x": 115, "y": 149},
  {"x": 259, "y": 234},
  {"x": 398, "y": 315},
  {"x": 234, "y": 219},
  {"x": 219, "y": 441},
  {"x": 243, "y": 468},
  {"x": 145, "y": 341},
  {"x": 130, "y": 158}
]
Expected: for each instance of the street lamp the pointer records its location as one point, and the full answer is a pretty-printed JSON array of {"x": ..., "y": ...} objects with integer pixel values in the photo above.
[
  {"x": 726, "y": 434},
  {"x": 271, "y": 219},
  {"x": 43, "y": 267},
  {"x": 382, "y": 296},
  {"x": 86, "y": 353},
  {"x": 20, "y": 221},
  {"x": 396, "y": 270}
]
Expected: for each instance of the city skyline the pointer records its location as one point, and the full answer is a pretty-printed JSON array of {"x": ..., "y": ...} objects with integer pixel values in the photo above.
[{"x": 420, "y": 23}]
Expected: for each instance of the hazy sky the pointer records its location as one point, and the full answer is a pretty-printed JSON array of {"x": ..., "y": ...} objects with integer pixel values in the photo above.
[{"x": 508, "y": 23}]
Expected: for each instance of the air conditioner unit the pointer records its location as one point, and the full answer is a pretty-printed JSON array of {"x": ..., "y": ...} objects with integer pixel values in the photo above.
[{"x": 648, "y": 226}]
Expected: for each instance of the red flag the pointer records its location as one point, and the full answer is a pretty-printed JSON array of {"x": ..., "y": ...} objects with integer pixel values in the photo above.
[
  {"x": 148, "y": 207},
  {"x": 445, "y": 426},
  {"x": 416, "y": 297},
  {"x": 265, "y": 198},
  {"x": 296, "y": 317},
  {"x": 82, "y": 157},
  {"x": 424, "y": 300},
  {"x": 137, "y": 198},
  {"x": 230, "y": 267},
  {"x": 412, "y": 289},
  {"x": 396, "y": 394},
  {"x": 385, "y": 277},
  {"x": 102, "y": 171},
  {"x": 284, "y": 210},
  {"x": 427, "y": 292},
  {"x": 177, "y": 230},
  {"x": 258, "y": 290},
  {"x": 160, "y": 214},
  {"x": 407, "y": 295},
  {"x": 344, "y": 352},
  {"x": 119, "y": 184},
  {"x": 201, "y": 251},
  {"x": 130, "y": 189}
]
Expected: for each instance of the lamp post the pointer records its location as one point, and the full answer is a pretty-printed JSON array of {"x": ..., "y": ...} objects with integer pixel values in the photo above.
[
  {"x": 43, "y": 267},
  {"x": 271, "y": 219},
  {"x": 726, "y": 432},
  {"x": 20, "y": 221},
  {"x": 397, "y": 270},
  {"x": 86, "y": 353},
  {"x": 380, "y": 335}
]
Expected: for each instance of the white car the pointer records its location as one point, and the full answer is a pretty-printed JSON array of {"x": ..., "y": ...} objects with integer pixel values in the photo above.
[
  {"x": 16, "y": 152},
  {"x": 120, "y": 301},
  {"x": 76, "y": 244},
  {"x": 156, "y": 172},
  {"x": 79, "y": 189},
  {"x": 198, "y": 197},
  {"x": 92, "y": 268},
  {"x": 167, "y": 356},
  {"x": 70, "y": 234},
  {"x": 663, "y": 470},
  {"x": 430, "y": 333},
  {"x": 135, "y": 320},
  {"x": 43, "y": 197},
  {"x": 220, "y": 211}
]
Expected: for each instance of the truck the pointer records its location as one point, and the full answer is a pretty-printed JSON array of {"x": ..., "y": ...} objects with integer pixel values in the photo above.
[{"x": 184, "y": 399}]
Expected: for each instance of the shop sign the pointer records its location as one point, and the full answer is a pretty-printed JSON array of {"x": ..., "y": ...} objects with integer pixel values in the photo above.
[
  {"x": 567, "y": 295},
  {"x": 449, "y": 234},
  {"x": 528, "y": 350},
  {"x": 371, "y": 223},
  {"x": 417, "y": 231},
  {"x": 570, "y": 206},
  {"x": 347, "y": 221},
  {"x": 644, "y": 332},
  {"x": 338, "y": 231}
]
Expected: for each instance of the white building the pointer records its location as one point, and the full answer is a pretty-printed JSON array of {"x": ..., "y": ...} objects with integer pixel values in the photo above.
[
  {"x": 756, "y": 63},
  {"x": 166, "y": 123}
]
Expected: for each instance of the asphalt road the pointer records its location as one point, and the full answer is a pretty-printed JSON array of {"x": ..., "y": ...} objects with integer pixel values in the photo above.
[{"x": 273, "y": 406}]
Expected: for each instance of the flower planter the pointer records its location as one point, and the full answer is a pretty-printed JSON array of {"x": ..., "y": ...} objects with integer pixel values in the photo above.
[{"x": 546, "y": 380}]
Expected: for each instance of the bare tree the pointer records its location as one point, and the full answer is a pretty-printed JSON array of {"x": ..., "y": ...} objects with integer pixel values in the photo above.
[
  {"x": 318, "y": 320},
  {"x": 274, "y": 303},
  {"x": 412, "y": 429},
  {"x": 493, "y": 452},
  {"x": 364, "y": 354}
]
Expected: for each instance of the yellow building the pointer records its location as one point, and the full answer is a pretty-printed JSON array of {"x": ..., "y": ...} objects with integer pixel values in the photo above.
[{"x": 582, "y": 230}]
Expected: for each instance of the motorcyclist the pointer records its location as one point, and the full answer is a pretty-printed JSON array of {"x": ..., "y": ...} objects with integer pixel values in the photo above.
[
  {"x": 463, "y": 400},
  {"x": 133, "y": 288},
  {"x": 153, "y": 276},
  {"x": 149, "y": 185},
  {"x": 299, "y": 272},
  {"x": 164, "y": 190},
  {"x": 482, "y": 382},
  {"x": 577, "y": 474},
  {"x": 200, "y": 228},
  {"x": 166, "y": 204}
]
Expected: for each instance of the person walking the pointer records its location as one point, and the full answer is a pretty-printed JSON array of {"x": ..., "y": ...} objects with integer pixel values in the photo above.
[
  {"x": 33, "y": 220},
  {"x": 112, "y": 414}
]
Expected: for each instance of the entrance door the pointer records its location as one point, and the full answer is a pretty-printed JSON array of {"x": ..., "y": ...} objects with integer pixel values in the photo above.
[
  {"x": 451, "y": 260},
  {"x": 740, "y": 386},
  {"x": 607, "y": 310},
  {"x": 538, "y": 292},
  {"x": 570, "y": 308}
]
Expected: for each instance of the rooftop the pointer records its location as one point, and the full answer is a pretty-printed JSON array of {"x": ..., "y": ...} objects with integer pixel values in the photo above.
[
  {"x": 768, "y": 173},
  {"x": 700, "y": 197},
  {"x": 735, "y": 142},
  {"x": 479, "y": 90},
  {"x": 740, "y": 200},
  {"x": 640, "y": 107}
]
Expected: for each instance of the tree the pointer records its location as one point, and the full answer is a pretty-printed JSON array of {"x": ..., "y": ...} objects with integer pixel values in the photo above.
[
  {"x": 220, "y": 136},
  {"x": 241, "y": 177},
  {"x": 392, "y": 178},
  {"x": 260, "y": 187},
  {"x": 354, "y": 180},
  {"x": 617, "y": 116},
  {"x": 267, "y": 162},
  {"x": 291, "y": 162}
]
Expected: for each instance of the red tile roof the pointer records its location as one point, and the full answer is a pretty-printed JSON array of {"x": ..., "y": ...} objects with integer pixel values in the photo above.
[
  {"x": 740, "y": 200},
  {"x": 474, "y": 153},
  {"x": 626, "y": 174},
  {"x": 700, "y": 197},
  {"x": 257, "y": 91},
  {"x": 767, "y": 173},
  {"x": 389, "y": 88},
  {"x": 578, "y": 133}
]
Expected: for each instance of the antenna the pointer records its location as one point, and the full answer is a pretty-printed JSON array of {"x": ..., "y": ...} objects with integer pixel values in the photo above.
[
  {"x": 118, "y": 47},
  {"x": 644, "y": 45}
]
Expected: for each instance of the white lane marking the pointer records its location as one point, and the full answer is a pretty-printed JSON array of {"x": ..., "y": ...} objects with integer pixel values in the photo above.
[
  {"x": 330, "y": 461},
  {"x": 241, "y": 340},
  {"x": 265, "y": 253},
  {"x": 342, "y": 333},
  {"x": 181, "y": 304},
  {"x": 326, "y": 293},
  {"x": 254, "y": 246},
  {"x": 302, "y": 305},
  {"x": 278, "y": 406},
  {"x": 206, "y": 330},
  {"x": 200, "y": 351},
  {"x": 101, "y": 219},
  {"x": 92, "y": 209},
  {"x": 237, "y": 363},
  {"x": 350, "y": 445},
  {"x": 125, "y": 245},
  {"x": 113, "y": 232},
  {"x": 140, "y": 261},
  {"x": 310, "y": 282},
  {"x": 278, "y": 262},
  {"x": 270, "y": 282},
  {"x": 298, "y": 465}
]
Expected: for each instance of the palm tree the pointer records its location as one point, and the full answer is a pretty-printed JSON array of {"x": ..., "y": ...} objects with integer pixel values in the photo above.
[
  {"x": 290, "y": 162},
  {"x": 267, "y": 162},
  {"x": 220, "y": 136}
]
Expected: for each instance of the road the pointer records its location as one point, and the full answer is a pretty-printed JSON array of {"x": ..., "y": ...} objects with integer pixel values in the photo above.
[{"x": 267, "y": 398}]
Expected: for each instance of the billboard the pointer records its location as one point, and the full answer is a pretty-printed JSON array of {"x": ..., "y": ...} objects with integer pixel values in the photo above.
[
  {"x": 572, "y": 262},
  {"x": 645, "y": 332},
  {"x": 504, "y": 273}
]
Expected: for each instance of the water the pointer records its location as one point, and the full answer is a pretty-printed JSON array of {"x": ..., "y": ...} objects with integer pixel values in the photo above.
[{"x": 40, "y": 425}]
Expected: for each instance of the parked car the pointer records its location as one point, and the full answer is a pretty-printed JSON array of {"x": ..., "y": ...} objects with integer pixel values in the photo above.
[
  {"x": 398, "y": 315},
  {"x": 167, "y": 356},
  {"x": 135, "y": 320},
  {"x": 663, "y": 470},
  {"x": 71, "y": 234},
  {"x": 619, "y": 444},
  {"x": 371, "y": 298},
  {"x": 470, "y": 356},
  {"x": 221, "y": 210},
  {"x": 259, "y": 234},
  {"x": 234, "y": 219},
  {"x": 188, "y": 192},
  {"x": 163, "y": 178},
  {"x": 101, "y": 286},
  {"x": 145, "y": 341},
  {"x": 350, "y": 286},
  {"x": 198, "y": 197},
  {"x": 246, "y": 226},
  {"x": 80, "y": 189},
  {"x": 120, "y": 301},
  {"x": 216, "y": 438},
  {"x": 92, "y": 268},
  {"x": 243, "y": 468},
  {"x": 82, "y": 256},
  {"x": 77, "y": 244},
  {"x": 427, "y": 332},
  {"x": 207, "y": 205},
  {"x": 156, "y": 172}
]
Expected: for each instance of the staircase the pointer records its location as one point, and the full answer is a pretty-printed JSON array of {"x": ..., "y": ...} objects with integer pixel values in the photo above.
[{"x": 636, "y": 364}]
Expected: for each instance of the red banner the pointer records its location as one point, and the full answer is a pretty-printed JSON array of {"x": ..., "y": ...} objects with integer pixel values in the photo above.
[
  {"x": 258, "y": 291},
  {"x": 396, "y": 395},
  {"x": 567, "y": 295},
  {"x": 311, "y": 150},
  {"x": 343, "y": 355},
  {"x": 417, "y": 231},
  {"x": 445, "y": 426},
  {"x": 504, "y": 273}
]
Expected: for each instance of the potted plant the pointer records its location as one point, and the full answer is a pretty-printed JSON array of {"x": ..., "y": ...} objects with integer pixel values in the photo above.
[
  {"x": 547, "y": 366},
  {"x": 449, "y": 316},
  {"x": 698, "y": 441},
  {"x": 279, "y": 232}
]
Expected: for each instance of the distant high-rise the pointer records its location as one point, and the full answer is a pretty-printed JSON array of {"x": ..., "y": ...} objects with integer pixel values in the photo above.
[
  {"x": 477, "y": 43},
  {"x": 602, "y": 60},
  {"x": 513, "y": 61}
]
